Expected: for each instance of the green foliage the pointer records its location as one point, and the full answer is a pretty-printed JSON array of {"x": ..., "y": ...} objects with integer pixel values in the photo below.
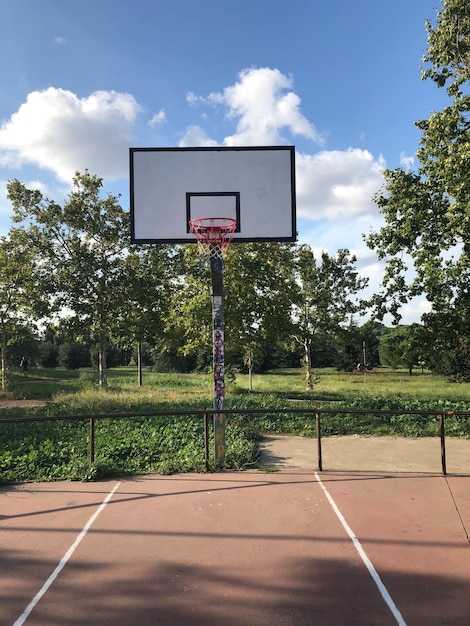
[
  {"x": 404, "y": 346},
  {"x": 48, "y": 354},
  {"x": 426, "y": 238},
  {"x": 260, "y": 281},
  {"x": 448, "y": 53},
  {"x": 42, "y": 451},
  {"x": 89, "y": 379},
  {"x": 327, "y": 296},
  {"x": 165, "y": 445},
  {"x": 18, "y": 293},
  {"x": 81, "y": 245},
  {"x": 73, "y": 355},
  {"x": 56, "y": 450},
  {"x": 412, "y": 425}
]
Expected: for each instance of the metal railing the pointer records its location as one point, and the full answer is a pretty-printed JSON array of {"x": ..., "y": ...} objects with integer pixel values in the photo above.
[{"x": 314, "y": 413}]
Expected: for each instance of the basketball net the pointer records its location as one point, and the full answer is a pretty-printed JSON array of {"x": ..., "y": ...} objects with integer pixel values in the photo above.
[{"x": 213, "y": 235}]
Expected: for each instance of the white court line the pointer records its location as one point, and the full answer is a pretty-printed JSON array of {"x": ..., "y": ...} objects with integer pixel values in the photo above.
[
  {"x": 367, "y": 562},
  {"x": 23, "y": 617}
]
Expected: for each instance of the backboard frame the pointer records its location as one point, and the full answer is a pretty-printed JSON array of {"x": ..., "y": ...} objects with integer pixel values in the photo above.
[{"x": 143, "y": 191}]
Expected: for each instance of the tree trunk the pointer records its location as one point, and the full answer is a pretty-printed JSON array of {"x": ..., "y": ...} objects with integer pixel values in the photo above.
[
  {"x": 139, "y": 363},
  {"x": 250, "y": 372},
  {"x": 103, "y": 370},
  {"x": 308, "y": 366},
  {"x": 4, "y": 355}
]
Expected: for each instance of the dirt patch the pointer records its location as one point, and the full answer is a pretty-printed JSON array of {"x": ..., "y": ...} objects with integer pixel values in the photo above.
[{"x": 15, "y": 403}]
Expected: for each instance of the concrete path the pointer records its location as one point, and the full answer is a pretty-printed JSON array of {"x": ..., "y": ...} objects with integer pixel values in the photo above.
[{"x": 391, "y": 454}]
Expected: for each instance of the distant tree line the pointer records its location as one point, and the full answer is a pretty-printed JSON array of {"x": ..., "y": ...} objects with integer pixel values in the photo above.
[{"x": 352, "y": 348}]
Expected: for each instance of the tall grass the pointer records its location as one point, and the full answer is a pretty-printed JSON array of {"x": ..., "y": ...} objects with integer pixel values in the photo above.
[{"x": 330, "y": 385}]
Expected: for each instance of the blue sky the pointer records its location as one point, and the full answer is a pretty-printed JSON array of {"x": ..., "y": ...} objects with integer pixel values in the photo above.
[{"x": 83, "y": 80}]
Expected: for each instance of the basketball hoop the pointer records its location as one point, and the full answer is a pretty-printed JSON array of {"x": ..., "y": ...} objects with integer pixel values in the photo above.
[{"x": 213, "y": 235}]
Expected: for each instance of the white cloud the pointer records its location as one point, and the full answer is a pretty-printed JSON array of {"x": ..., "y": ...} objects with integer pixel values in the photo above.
[
  {"x": 407, "y": 162},
  {"x": 365, "y": 257},
  {"x": 330, "y": 184},
  {"x": 413, "y": 311},
  {"x": 195, "y": 136},
  {"x": 342, "y": 233},
  {"x": 56, "y": 130},
  {"x": 39, "y": 185},
  {"x": 192, "y": 98},
  {"x": 157, "y": 119},
  {"x": 264, "y": 105},
  {"x": 60, "y": 40},
  {"x": 337, "y": 184}
]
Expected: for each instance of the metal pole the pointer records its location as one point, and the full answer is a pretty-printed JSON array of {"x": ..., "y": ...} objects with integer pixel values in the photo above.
[
  {"x": 319, "y": 455},
  {"x": 443, "y": 443},
  {"x": 92, "y": 440},
  {"x": 206, "y": 441},
  {"x": 218, "y": 359}
]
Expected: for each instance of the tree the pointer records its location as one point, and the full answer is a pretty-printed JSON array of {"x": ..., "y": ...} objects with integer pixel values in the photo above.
[
  {"x": 447, "y": 344},
  {"x": 351, "y": 351},
  {"x": 326, "y": 297},
  {"x": 81, "y": 245},
  {"x": 260, "y": 279},
  {"x": 427, "y": 213},
  {"x": 188, "y": 327},
  {"x": 48, "y": 354},
  {"x": 403, "y": 345},
  {"x": 391, "y": 347},
  {"x": 371, "y": 334},
  {"x": 259, "y": 285},
  {"x": 18, "y": 291},
  {"x": 146, "y": 296}
]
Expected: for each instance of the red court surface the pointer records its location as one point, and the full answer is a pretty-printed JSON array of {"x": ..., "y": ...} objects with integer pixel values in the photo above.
[{"x": 241, "y": 549}]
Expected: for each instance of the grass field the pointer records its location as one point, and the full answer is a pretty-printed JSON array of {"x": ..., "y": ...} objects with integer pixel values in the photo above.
[
  {"x": 330, "y": 385},
  {"x": 58, "y": 450},
  {"x": 333, "y": 385}
]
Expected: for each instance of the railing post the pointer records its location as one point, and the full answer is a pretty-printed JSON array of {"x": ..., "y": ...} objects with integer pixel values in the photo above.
[
  {"x": 443, "y": 443},
  {"x": 318, "y": 427},
  {"x": 92, "y": 440},
  {"x": 206, "y": 441}
]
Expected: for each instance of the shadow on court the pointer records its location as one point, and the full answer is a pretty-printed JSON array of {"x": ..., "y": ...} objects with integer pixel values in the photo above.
[
  {"x": 320, "y": 592},
  {"x": 235, "y": 549}
]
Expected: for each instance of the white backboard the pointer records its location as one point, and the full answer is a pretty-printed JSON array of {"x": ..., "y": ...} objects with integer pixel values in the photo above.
[{"x": 170, "y": 186}]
